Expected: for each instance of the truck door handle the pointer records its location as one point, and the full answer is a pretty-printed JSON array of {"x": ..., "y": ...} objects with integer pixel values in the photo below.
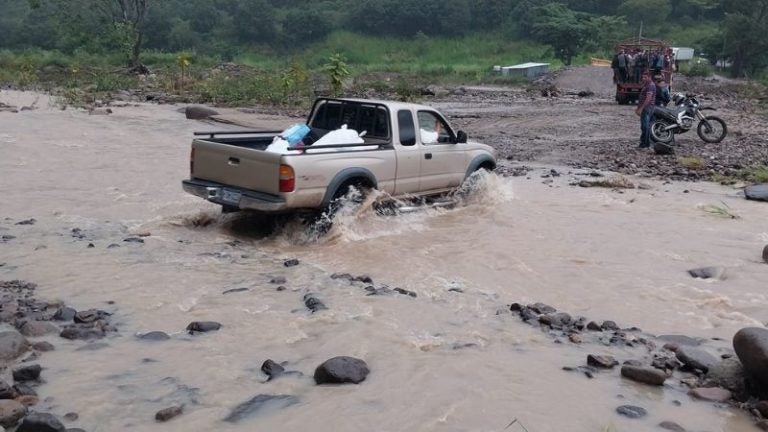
[
  {"x": 428, "y": 156},
  {"x": 234, "y": 161}
]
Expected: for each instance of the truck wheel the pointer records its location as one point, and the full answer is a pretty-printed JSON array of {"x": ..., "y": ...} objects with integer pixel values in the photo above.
[{"x": 354, "y": 193}]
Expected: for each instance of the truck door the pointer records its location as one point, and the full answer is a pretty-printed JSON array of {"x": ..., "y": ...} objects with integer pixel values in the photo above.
[
  {"x": 444, "y": 163},
  {"x": 408, "y": 154}
]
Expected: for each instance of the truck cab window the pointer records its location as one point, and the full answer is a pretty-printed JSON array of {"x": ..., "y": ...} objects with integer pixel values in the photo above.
[
  {"x": 433, "y": 129},
  {"x": 407, "y": 130}
]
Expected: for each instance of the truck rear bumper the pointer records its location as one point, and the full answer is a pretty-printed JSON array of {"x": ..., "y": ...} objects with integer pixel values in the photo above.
[{"x": 234, "y": 197}]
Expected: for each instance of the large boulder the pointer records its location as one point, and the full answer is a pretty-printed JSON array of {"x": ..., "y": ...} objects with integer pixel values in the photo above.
[
  {"x": 696, "y": 358},
  {"x": 758, "y": 192},
  {"x": 751, "y": 346},
  {"x": 197, "y": 112},
  {"x": 41, "y": 422},
  {"x": 12, "y": 345},
  {"x": 340, "y": 370},
  {"x": 729, "y": 374},
  {"x": 11, "y": 412}
]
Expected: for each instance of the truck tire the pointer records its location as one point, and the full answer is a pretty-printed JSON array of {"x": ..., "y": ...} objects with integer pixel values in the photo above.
[{"x": 324, "y": 219}]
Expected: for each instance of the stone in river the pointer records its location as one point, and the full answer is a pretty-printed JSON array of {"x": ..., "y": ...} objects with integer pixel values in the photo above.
[
  {"x": 27, "y": 373},
  {"x": 90, "y": 315},
  {"x": 38, "y": 328},
  {"x": 11, "y": 412},
  {"x": 708, "y": 273},
  {"x": 644, "y": 375},
  {"x": 751, "y": 346},
  {"x": 64, "y": 314},
  {"x": 631, "y": 411},
  {"x": 765, "y": 253},
  {"x": 541, "y": 308},
  {"x": 671, "y": 426},
  {"x": 168, "y": 413},
  {"x": 234, "y": 290},
  {"x": 730, "y": 375},
  {"x": 82, "y": 333},
  {"x": 602, "y": 361},
  {"x": 594, "y": 326},
  {"x": 154, "y": 336},
  {"x": 24, "y": 390},
  {"x": 609, "y": 325},
  {"x": 272, "y": 369},
  {"x": 757, "y": 192},
  {"x": 696, "y": 358},
  {"x": 313, "y": 303},
  {"x": 199, "y": 112},
  {"x": 41, "y": 422},
  {"x": 679, "y": 340},
  {"x": 203, "y": 326},
  {"x": 291, "y": 262},
  {"x": 12, "y": 345},
  {"x": 340, "y": 370},
  {"x": 258, "y": 404},
  {"x": 6, "y": 391},
  {"x": 712, "y": 394}
]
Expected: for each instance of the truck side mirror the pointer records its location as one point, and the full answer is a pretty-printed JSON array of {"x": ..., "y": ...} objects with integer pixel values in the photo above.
[{"x": 461, "y": 137}]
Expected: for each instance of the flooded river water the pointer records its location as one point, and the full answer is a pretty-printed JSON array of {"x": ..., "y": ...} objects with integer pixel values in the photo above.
[{"x": 451, "y": 359}]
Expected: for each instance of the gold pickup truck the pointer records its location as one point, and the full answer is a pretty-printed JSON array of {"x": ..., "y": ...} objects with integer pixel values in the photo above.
[{"x": 403, "y": 149}]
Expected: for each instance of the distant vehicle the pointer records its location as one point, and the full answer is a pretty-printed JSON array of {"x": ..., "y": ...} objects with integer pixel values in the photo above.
[
  {"x": 628, "y": 91},
  {"x": 403, "y": 149}
]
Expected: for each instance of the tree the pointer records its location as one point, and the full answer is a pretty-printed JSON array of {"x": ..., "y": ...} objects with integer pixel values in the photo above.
[
  {"x": 742, "y": 36},
  {"x": 128, "y": 18},
  {"x": 564, "y": 30},
  {"x": 651, "y": 13}
]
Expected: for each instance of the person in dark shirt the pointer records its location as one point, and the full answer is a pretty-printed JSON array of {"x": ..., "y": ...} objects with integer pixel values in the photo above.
[
  {"x": 645, "y": 106},
  {"x": 662, "y": 91}
]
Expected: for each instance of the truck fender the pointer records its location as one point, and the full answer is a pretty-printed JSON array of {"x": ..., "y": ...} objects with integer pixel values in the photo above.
[
  {"x": 478, "y": 162},
  {"x": 345, "y": 175}
]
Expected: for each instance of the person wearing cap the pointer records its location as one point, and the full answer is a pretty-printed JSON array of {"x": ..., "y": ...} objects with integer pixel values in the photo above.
[
  {"x": 662, "y": 91},
  {"x": 645, "y": 109}
]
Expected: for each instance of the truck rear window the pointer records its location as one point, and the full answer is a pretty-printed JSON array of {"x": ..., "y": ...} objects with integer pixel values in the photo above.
[{"x": 331, "y": 115}]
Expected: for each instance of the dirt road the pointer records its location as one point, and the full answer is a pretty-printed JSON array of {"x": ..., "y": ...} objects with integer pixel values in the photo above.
[{"x": 596, "y": 132}]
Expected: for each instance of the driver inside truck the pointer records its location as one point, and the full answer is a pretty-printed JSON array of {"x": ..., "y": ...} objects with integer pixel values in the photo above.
[{"x": 432, "y": 129}]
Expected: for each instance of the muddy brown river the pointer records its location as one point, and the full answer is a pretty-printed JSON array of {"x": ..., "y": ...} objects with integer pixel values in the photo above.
[{"x": 451, "y": 359}]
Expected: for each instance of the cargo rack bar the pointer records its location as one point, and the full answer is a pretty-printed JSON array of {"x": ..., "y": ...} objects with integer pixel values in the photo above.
[{"x": 240, "y": 132}]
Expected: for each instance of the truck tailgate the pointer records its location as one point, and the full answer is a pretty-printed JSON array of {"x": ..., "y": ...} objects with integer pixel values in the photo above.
[{"x": 236, "y": 166}]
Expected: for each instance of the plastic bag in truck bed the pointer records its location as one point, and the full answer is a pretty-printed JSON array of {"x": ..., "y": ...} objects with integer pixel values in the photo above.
[{"x": 339, "y": 137}]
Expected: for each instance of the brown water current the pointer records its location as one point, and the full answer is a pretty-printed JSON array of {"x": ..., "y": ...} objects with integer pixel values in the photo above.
[{"x": 446, "y": 360}]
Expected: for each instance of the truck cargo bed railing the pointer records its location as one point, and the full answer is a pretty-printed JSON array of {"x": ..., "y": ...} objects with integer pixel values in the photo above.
[{"x": 212, "y": 134}]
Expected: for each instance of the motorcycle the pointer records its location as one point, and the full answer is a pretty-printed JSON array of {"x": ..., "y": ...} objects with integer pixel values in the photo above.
[{"x": 667, "y": 122}]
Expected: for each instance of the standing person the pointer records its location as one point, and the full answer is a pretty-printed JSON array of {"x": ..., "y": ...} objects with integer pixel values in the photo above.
[
  {"x": 645, "y": 109},
  {"x": 615, "y": 67},
  {"x": 622, "y": 62},
  {"x": 641, "y": 64}
]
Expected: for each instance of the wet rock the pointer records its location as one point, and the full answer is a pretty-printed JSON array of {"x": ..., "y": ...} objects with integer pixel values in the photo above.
[
  {"x": 340, "y": 370},
  {"x": 41, "y": 422},
  {"x": 541, "y": 308},
  {"x": 280, "y": 288},
  {"x": 680, "y": 340},
  {"x": 291, "y": 262},
  {"x": 277, "y": 280},
  {"x": 12, "y": 345},
  {"x": 645, "y": 375},
  {"x": 364, "y": 279},
  {"x": 71, "y": 416},
  {"x": 38, "y": 328},
  {"x": 82, "y": 333},
  {"x": 405, "y": 292},
  {"x": 730, "y": 375},
  {"x": 708, "y": 273},
  {"x": 31, "y": 221},
  {"x": 154, "y": 336},
  {"x": 11, "y": 412},
  {"x": 6, "y": 238},
  {"x": 609, "y": 325},
  {"x": 198, "y": 112},
  {"x": 631, "y": 411},
  {"x": 695, "y": 358},
  {"x": 762, "y": 408},
  {"x": 765, "y": 253},
  {"x": 260, "y": 403},
  {"x": 712, "y": 394},
  {"x": 90, "y": 316},
  {"x": 137, "y": 240},
  {"x": 346, "y": 276},
  {"x": 372, "y": 290},
  {"x": 751, "y": 346},
  {"x": 758, "y": 192},
  {"x": 594, "y": 326},
  {"x": 575, "y": 338},
  {"x": 6, "y": 391},
  {"x": 671, "y": 426},
  {"x": 64, "y": 314},
  {"x": 602, "y": 361},
  {"x": 203, "y": 326},
  {"x": 22, "y": 389},
  {"x": 555, "y": 320},
  {"x": 313, "y": 303},
  {"x": 28, "y": 401},
  {"x": 272, "y": 369},
  {"x": 234, "y": 290},
  {"x": 27, "y": 373},
  {"x": 168, "y": 413},
  {"x": 528, "y": 315}
]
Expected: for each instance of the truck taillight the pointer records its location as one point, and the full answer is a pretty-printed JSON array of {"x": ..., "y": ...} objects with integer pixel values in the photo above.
[
  {"x": 192, "y": 162},
  {"x": 287, "y": 179}
]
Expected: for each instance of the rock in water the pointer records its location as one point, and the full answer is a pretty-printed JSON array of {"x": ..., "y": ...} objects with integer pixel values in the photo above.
[
  {"x": 644, "y": 375},
  {"x": 671, "y": 426},
  {"x": 751, "y": 346},
  {"x": 258, "y": 404},
  {"x": 168, "y": 413},
  {"x": 729, "y": 374},
  {"x": 758, "y": 192},
  {"x": 712, "y": 394},
  {"x": 272, "y": 369},
  {"x": 12, "y": 345},
  {"x": 197, "y": 112},
  {"x": 154, "y": 336},
  {"x": 696, "y": 358},
  {"x": 765, "y": 253},
  {"x": 11, "y": 412},
  {"x": 599, "y": 361},
  {"x": 340, "y": 370},
  {"x": 708, "y": 273},
  {"x": 312, "y": 303},
  {"x": 203, "y": 326},
  {"x": 632, "y": 411},
  {"x": 27, "y": 373},
  {"x": 41, "y": 422}
]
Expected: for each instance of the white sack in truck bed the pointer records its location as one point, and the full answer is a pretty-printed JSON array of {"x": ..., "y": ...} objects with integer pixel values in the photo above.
[{"x": 339, "y": 136}]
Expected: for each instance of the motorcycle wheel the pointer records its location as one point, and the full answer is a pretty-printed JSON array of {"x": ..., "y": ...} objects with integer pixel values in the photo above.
[
  {"x": 712, "y": 129},
  {"x": 660, "y": 134}
]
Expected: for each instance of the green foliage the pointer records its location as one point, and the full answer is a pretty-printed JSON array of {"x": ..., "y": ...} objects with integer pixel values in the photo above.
[
  {"x": 651, "y": 13},
  {"x": 565, "y": 30},
  {"x": 698, "y": 68},
  {"x": 337, "y": 70}
]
